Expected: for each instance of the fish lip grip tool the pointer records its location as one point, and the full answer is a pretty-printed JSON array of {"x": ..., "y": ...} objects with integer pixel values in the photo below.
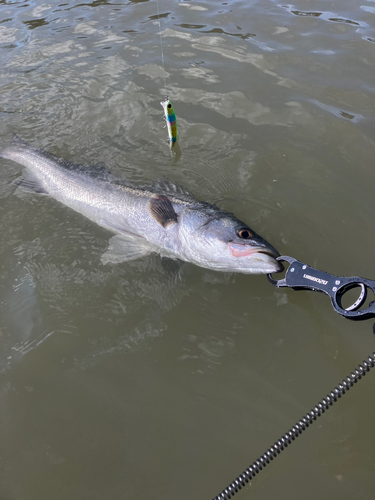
[{"x": 300, "y": 276}]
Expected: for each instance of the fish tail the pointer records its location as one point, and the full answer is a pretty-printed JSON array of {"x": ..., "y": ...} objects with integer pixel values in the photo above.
[
  {"x": 4, "y": 154},
  {"x": 17, "y": 144}
]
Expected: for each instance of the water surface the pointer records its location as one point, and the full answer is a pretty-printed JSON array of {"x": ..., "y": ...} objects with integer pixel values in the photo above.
[{"x": 153, "y": 378}]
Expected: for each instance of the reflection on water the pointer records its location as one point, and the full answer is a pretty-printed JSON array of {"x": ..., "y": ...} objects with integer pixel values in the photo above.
[
  {"x": 140, "y": 379},
  {"x": 22, "y": 324}
]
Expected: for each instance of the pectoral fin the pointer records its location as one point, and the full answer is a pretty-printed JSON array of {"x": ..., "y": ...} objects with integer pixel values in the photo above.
[
  {"x": 162, "y": 210},
  {"x": 122, "y": 249}
]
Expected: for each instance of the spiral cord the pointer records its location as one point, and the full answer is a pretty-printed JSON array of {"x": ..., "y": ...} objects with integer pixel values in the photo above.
[{"x": 296, "y": 430}]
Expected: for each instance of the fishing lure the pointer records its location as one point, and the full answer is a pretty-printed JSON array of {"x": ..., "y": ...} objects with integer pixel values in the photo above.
[{"x": 170, "y": 118}]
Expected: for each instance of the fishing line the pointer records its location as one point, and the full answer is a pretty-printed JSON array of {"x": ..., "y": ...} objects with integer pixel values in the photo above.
[
  {"x": 169, "y": 114},
  {"x": 287, "y": 439},
  {"x": 161, "y": 50}
]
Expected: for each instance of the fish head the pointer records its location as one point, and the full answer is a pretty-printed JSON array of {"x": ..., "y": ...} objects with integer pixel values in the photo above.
[{"x": 221, "y": 241}]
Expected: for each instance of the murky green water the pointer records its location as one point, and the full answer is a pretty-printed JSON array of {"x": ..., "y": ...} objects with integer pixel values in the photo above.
[{"x": 153, "y": 379}]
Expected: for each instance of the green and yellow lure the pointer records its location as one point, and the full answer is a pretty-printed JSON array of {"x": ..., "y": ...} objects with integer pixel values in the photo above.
[{"x": 170, "y": 117}]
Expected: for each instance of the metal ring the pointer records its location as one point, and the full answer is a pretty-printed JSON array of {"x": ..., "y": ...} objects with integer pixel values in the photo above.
[
  {"x": 282, "y": 282},
  {"x": 360, "y": 300}
]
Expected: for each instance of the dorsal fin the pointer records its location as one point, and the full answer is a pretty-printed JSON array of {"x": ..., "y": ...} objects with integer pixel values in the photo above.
[
  {"x": 17, "y": 141},
  {"x": 100, "y": 169},
  {"x": 164, "y": 185}
]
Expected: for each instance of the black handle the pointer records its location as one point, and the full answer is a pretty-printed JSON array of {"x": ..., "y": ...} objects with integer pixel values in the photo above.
[{"x": 300, "y": 276}]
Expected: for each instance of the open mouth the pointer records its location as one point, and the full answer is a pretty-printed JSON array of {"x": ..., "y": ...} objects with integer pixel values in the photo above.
[
  {"x": 260, "y": 259},
  {"x": 245, "y": 250},
  {"x": 265, "y": 255},
  {"x": 269, "y": 252}
]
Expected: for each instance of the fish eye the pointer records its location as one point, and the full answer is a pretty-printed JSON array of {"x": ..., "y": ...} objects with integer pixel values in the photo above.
[
  {"x": 244, "y": 233},
  {"x": 169, "y": 106}
]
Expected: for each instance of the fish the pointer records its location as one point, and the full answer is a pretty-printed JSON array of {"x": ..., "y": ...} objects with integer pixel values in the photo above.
[
  {"x": 170, "y": 118},
  {"x": 162, "y": 217}
]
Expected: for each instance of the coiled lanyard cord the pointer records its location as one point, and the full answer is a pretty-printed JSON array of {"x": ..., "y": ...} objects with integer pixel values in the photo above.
[{"x": 287, "y": 439}]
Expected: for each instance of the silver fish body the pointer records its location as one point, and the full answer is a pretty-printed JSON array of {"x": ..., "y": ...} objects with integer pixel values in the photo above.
[{"x": 161, "y": 218}]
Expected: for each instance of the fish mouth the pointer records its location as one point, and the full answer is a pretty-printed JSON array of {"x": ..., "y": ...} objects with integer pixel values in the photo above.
[
  {"x": 263, "y": 257},
  {"x": 278, "y": 265},
  {"x": 245, "y": 250}
]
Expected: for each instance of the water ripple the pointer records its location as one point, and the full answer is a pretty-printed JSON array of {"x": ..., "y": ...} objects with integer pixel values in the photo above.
[{"x": 326, "y": 16}]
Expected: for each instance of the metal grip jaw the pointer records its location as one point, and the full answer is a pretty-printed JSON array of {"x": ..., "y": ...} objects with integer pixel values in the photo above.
[{"x": 300, "y": 276}]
